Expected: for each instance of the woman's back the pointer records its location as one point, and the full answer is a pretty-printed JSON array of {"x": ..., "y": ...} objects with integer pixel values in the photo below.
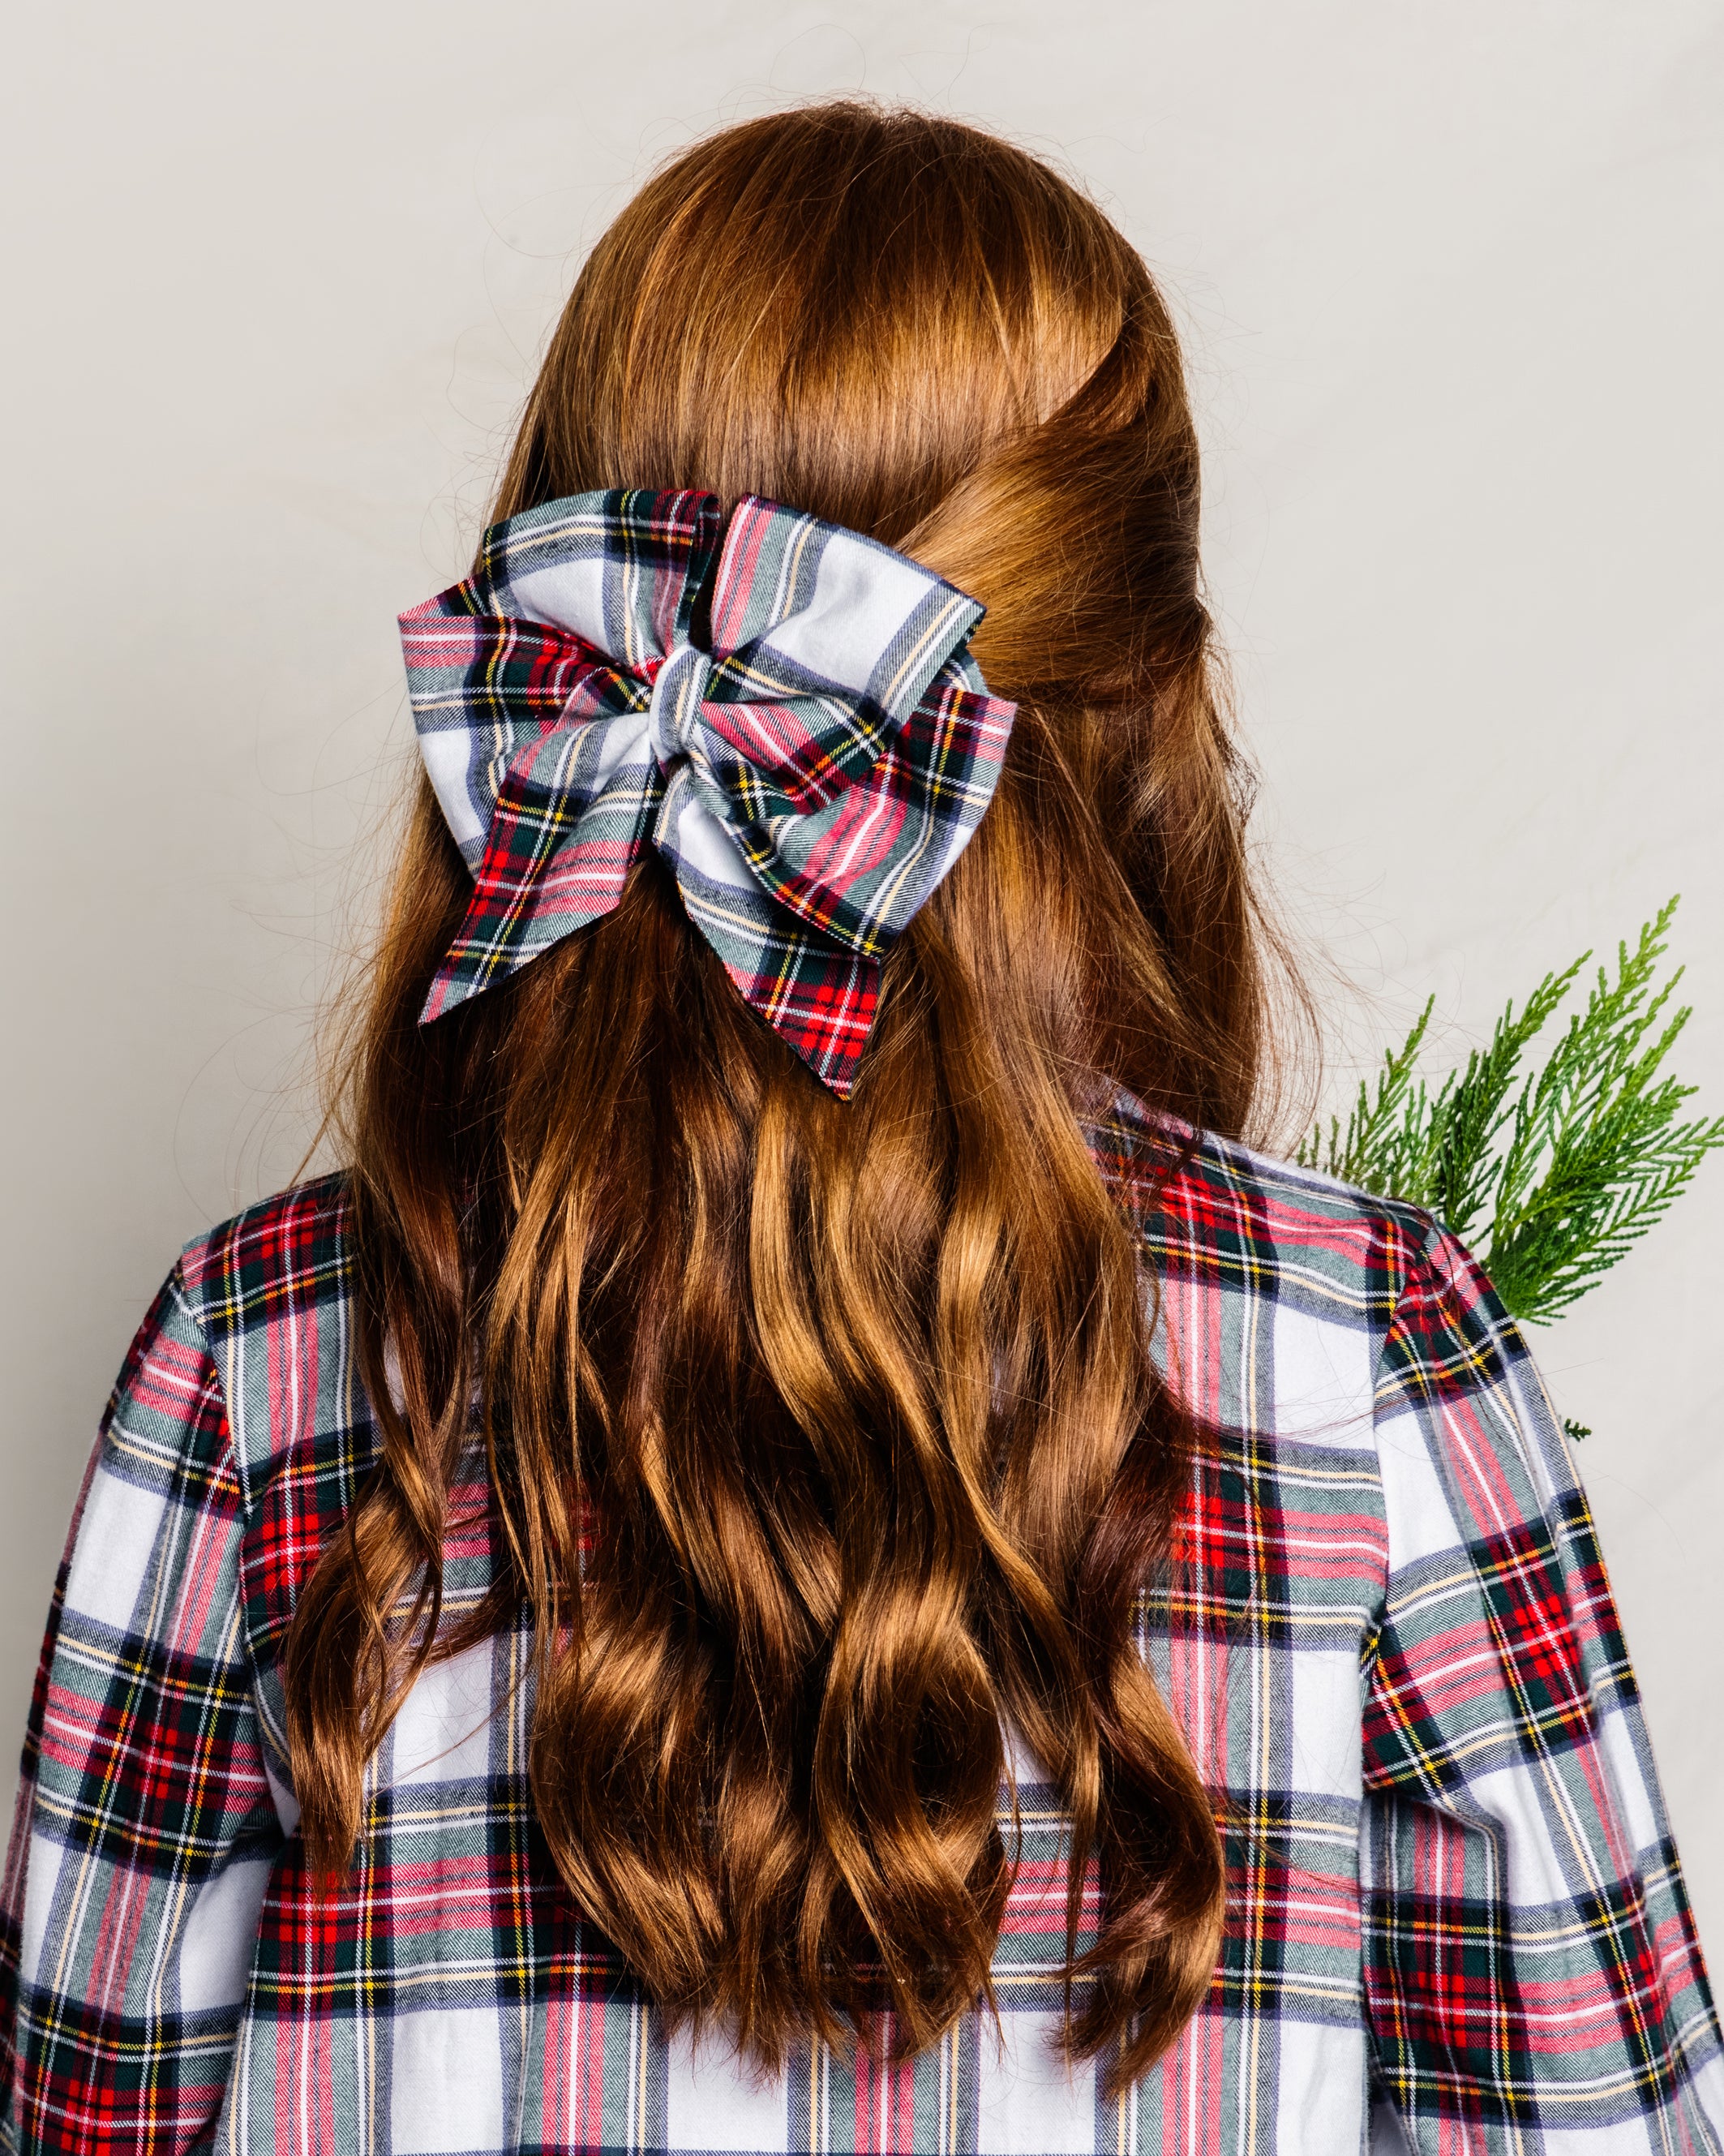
[{"x": 1384, "y": 1630}]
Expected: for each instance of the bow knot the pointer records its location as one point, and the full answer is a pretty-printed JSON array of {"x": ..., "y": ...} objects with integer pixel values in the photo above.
[
  {"x": 680, "y": 689},
  {"x": 809, "y": 775}
]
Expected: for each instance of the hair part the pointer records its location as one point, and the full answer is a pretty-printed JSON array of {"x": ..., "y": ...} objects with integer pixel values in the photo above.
[{"x": 823, "y": 1439}]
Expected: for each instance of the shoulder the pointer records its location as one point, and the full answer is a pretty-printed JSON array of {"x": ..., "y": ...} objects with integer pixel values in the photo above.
[
  {"x": 292, "y": 1250},
  {"x": 271, "y": 1292},
  {"x": 1301, "y": 1274},
  {"x": 1210, "y": 1207}
]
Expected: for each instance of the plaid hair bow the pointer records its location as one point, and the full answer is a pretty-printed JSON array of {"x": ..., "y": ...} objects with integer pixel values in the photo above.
[{"x": 810, "y": 768}]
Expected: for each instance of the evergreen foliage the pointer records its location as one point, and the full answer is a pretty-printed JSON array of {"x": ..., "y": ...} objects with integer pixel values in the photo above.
[{"x": 1553, "y": 1176}]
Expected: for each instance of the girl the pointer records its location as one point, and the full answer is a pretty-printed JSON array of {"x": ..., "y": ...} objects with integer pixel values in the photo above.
[{"x": 805, "y": 1551}]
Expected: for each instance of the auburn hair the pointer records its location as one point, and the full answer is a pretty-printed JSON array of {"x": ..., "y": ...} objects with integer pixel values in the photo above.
[{"x": 824, "y": 1442}]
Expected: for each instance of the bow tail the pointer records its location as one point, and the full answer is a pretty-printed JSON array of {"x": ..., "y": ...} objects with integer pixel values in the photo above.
[
  {"x": 817, "y": 994},
  {"x": 817, "y": 997},
  {"x": 555, "y": 861}
]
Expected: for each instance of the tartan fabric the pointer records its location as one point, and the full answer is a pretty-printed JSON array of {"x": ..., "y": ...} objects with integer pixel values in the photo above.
[
  {"x": 1456, "y": 1921},
  {"x": 810, "y": 759}
]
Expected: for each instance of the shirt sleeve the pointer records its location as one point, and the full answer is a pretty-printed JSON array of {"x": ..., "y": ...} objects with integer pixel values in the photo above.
[
  {"x": 1533, "y": 1977},
  {"x": 145, "y": 1828}
]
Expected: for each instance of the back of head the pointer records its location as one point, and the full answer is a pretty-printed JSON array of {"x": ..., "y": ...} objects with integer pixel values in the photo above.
[{"x": 849, "y": 1404}]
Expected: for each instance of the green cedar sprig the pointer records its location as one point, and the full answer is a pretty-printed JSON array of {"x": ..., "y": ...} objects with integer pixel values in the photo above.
[{"x": 1552, "y": 1176}]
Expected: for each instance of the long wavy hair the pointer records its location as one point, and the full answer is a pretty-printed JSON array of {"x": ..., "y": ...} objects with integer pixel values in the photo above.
[{"x": 823, "y": 1439}]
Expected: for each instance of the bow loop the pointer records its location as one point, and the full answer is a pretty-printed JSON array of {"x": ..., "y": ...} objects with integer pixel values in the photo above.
[{"x": 810, "y": 771}]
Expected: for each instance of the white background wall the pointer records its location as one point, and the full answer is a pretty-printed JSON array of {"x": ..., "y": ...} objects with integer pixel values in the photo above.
[{"x": 275, "y": 282}]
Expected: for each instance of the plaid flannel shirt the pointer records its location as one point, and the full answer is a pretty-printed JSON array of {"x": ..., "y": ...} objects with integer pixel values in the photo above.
[{"x": 1455, "y": 1918}]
